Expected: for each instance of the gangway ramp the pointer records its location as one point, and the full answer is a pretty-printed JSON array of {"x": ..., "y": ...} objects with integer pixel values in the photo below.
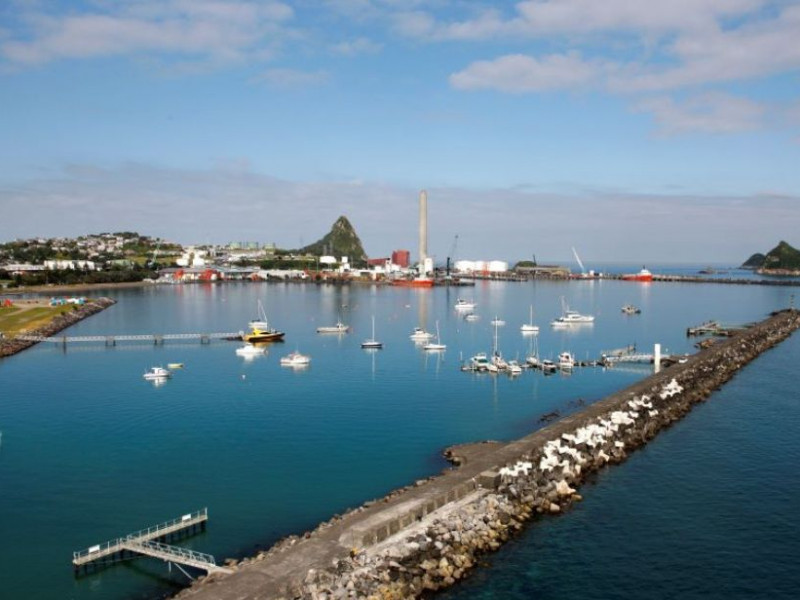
[{"x": 145, "y": 542}]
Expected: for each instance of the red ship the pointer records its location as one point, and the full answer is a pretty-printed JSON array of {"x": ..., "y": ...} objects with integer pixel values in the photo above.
[{"x": 643, "y": 275}]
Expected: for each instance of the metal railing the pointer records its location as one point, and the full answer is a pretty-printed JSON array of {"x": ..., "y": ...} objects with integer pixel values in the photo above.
[
  {"x": 155, "y": 531},
  {"x": 172, "y": 553}
]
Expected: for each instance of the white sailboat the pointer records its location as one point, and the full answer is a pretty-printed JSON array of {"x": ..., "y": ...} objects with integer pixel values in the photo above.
[
  {"x": 529, "y": 327},
  {"x": 438, "y": 345},
  {"x": 372, "y": 342}
]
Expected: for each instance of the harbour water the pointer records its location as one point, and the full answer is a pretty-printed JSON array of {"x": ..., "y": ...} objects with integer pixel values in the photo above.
[{"x": 90, "y": 450}]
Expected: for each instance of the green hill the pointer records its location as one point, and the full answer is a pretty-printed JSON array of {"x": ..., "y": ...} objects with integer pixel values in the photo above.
[
  {"x": 754, "y": 262},
  {"x": 782, "y": 257},
  {"x": 341, "y": 240}
]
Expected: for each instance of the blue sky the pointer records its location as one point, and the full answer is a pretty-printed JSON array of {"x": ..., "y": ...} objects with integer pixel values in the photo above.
[{"x": 636, "y": 131}]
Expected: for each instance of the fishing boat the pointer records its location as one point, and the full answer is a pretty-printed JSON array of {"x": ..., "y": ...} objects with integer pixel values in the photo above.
[
  {"x": 338, "y": 328},
  {"x": 250, "y": 350},
  {"x": 642, "y": 275},
  {"x": 462, "y": 304},
  {"x": 295, "y": 359},
  {"x": 420, "y": 335},
  {"x": 566, "y": 361},
  {"x": 416, "y": 282},
  {"x": 438, "y": 346},
  {"x": 372, "y": 342},
  {"x": 570, "y": 317},
  {"x": 260, "y": 330},
  {"x": 630, "y": 309},
  {"x": 529, "y": 327},
  {"x": 157, "y": 373}
]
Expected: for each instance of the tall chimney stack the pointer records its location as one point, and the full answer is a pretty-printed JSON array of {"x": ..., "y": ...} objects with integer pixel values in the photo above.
[{"x": 423, "y": 229}]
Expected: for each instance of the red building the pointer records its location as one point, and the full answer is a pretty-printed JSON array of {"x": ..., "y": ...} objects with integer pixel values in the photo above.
[
  {"x": 401, "y": 258},
  {"x": 376, "y": 262}
]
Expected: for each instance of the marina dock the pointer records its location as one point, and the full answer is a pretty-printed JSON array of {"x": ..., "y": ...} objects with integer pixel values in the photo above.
[{"x": 146, "y": 543}]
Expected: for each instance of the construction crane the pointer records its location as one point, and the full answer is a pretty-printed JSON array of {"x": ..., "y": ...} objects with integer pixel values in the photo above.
[{"x": 451, "y": 254}]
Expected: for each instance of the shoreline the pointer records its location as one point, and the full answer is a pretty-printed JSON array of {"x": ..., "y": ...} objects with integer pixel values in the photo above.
[
  {"x": 11, "y": 346},
  {"x": 428, "y": 535}
]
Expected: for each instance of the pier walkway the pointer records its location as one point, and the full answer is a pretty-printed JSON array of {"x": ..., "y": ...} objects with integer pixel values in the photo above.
[
  {"x": 144, "y": 542},
  {"x": 111, "y": 340}
]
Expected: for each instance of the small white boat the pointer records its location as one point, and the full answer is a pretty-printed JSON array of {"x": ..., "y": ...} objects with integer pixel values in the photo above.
[
  {"x": 471, "y": 317},
  {"x": 570, "y": 317},
  {"x": 372, "y": 342},
  {"x": 533, "y": 361},
  {"x": 338, "y": 328},
  {"x": 630, "y": 309},
  {"x": 479, "y": 362},
  {"x": 420, "y": 335},
  {"x": 566, "y": 361},
  {"x": 529, "y": 327},
  {"x": 438, "y": 346},
  {"x": 295, "y": 359},
  {"x": 497, "y": 322},
  {"x": 514, "y": 368},
  {"x": 157, "y": 373},
  {"x": 462, "y": 304},
  {"x": 548, "y": 366},
  {"x": 499, "y": 362},
  {"x": 250, "y": 350}
]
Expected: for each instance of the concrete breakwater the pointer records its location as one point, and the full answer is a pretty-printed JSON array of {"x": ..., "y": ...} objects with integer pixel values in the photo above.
[
  {"x": 430, "y": 534},
  {"x": 11, "y": 346}
]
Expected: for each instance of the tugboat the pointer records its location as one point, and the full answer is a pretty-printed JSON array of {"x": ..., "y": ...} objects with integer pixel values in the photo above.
[{"x": 643, "y": 275}]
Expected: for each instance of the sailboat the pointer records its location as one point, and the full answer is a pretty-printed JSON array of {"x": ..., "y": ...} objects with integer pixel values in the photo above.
[
  {"x": 372, "y": 342},
  {"x": 529, "y": 327},
  {"x": 438, "y": 345},
  {"x": 497, "y": 361}
]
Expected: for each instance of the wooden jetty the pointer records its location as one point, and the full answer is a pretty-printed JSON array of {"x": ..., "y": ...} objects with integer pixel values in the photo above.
[
  {"x": 111, "y": 340},
  {"x": 145, "y": 542}
]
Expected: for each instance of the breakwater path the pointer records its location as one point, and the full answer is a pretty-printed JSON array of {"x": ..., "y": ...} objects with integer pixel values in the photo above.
[
  {"x": 13, "y": 345},
  {"x": 428, "y": 535}
]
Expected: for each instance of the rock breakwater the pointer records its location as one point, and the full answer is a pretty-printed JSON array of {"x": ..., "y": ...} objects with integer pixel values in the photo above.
[
  {"x": 409, "y": 547},
  {"x": 58, "y": 323}
]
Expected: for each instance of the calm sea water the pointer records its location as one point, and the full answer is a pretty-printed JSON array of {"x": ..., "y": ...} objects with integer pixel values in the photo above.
[{"x": 90, "y": 450}]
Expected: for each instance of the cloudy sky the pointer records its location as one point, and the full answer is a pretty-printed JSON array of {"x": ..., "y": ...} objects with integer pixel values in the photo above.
[{"x": 633, "y": 130}]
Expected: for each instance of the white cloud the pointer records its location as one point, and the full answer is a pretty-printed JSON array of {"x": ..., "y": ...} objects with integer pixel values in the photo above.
[
  {"x": 519, "y": 73},
  {"x": 706, "y": 113},
  {"x": 218, "y": 30},
  {"x": 357, "y": 46}
]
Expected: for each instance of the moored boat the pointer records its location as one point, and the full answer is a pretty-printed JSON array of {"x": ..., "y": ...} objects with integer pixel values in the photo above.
[
  {"x": 642, "y": 275},
  {"x": 260, "y": 330},
  {"x": 462, "y": 304},
  {"x": 250, "y": 350},
  {"x": 157, "y": 373},
  {"x": 338, "y": 328},
  {"x": 630, "y": 309},
  {"x": 529, "y": 327},
  {"x": 420, "y": 335},
  {"x": 438, "y": 345},
  {"x": 566, "y": 361},
  {"x": 416, "y": 282},
  {"x": 295, "y": 359},
  {"x": 372, "y": 342},
  {"x": 570, "y": 317}
]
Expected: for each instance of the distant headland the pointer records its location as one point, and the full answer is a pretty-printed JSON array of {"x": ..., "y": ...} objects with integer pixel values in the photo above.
[{"x": 783, "y": 259}]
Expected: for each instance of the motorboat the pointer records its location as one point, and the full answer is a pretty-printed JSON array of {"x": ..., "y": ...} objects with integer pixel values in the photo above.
[
  {"x": 260, "y": 330},
  {"x": 566, "y": 361},
  {"x": 497, "y": 322},
  {"x": 372, "y": 342},
  {"x": 630, "y": 309},
  {"x": 462, "y": 304},
  {"x": 157, "y": 373},
  {"x": 295, "y": 359},
  {"x": 471, "y": 317},
  {"x": 479, "y": 362},
  {"x": 570, "y": 317},
  {"x": 529, "y": 327},
  {"x": 514, "y": 368},
  {"x": 548, "y": 366},
  {"x": 250, "y": 350},
  {"x": 173, "y": 366},
  {"x": 420, "y": 335},
  {"x": 438, "y": 346},
  {"x": 338, "y": 328},
  {"x": 642, "y": 275},
  {"x": 534, "y": 361}
]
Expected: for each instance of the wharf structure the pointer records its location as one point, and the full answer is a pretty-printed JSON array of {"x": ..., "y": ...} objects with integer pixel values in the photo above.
[{"x": 426, "y": 536}]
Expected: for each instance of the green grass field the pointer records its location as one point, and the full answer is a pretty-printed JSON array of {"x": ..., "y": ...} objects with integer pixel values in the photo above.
[{"x": 16, "y": 319}]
